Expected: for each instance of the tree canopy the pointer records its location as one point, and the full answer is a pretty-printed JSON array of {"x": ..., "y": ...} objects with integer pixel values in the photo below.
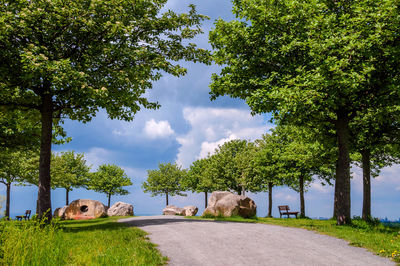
[
  {"x": 166, "y": 180},
  {"x": 109, "y": 179},
  {"x": 68, "y": 59},
  {"x": 69, "y": 171},
  {"x": 313, "y": 64}
]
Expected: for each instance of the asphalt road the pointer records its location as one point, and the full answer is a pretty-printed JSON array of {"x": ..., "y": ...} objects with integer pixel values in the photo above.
[{"x": 195, "y": 242}]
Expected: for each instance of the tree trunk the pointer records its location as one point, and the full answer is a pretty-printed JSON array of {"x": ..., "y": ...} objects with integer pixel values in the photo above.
[
  {"x": 205, "y": 199},
  {"x": 302, "y": 205},
  {"x": 109, "y": 200},
  {"x": 67, "y": 197},
  {"x": 243, "y": 191},
  {"x": 270, "y": 185},
  {"x": 7, "y": 214},
  {"x": 45, "y": 157},
  {"x": 366, "y": 166},
  {"x": 166, "y": 198},
  {"x": 342, "y": 184}
]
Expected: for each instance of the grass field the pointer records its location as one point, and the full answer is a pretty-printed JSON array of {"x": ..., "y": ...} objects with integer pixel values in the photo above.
[
  {"x": 376, "y": 237},
  {"x": 91, "y": 242}
]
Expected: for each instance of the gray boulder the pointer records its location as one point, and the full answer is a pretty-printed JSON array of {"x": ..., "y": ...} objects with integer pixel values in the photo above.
[
  {"x": 190, "y": 210},
  {"x": 120, "y": 209},
  {"x": 173, "y": 210},
  {"x": 60, "y": 212},
  {"x": 228, "y": 204}
]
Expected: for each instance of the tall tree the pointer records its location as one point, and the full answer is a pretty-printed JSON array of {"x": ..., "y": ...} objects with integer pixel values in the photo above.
[
  {"x": 311, "y": 64},
  {"x": 166, "y": 180},
  {"x": 69, "y": 171},
  {"x": 16, "y": 167},
  {"x": 109, "y": 179},
  {"x": 68, "y": 59}
]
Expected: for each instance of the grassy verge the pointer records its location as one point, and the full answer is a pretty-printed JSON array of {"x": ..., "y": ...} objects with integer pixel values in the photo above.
[
  {"x": 378, "y": 238},
  {"x": 92, "y": 242}
]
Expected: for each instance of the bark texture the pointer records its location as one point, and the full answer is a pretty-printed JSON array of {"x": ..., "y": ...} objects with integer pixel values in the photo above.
[
  {"x": 205, "y": 199},
  {"x": 270, "y": 185},
  {"x": 342, "y": 184},
  {"x": 302, "y": 204},
  {"x": 8, "y": 196},
  {"x": 45, "y": 157},
  {"x": 366, "y": 166}
]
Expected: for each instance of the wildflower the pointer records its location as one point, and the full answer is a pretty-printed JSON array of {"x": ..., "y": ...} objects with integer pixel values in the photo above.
[{"x": 381, "y": 251}]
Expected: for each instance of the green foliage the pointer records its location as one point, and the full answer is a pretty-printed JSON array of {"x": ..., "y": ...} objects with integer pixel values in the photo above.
[
  {"x": 91, "y": 54},
  {"x": 18, "y": 166},
  {"x": 69, "y": 170},
  {"x": 109, "y": 179},
  {"x": 166, "y": 180},
  {"x": 68, "y": 59},
  {"x": 94, "y": 242}
]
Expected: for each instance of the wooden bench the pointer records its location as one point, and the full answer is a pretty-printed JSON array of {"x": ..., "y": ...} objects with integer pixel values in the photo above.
[
  {"x": 26, "y": 216},
  {"x": 285, "y": 210}
]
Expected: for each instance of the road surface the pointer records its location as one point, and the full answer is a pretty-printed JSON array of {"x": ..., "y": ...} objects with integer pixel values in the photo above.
[{"x": 196, "y": 242}]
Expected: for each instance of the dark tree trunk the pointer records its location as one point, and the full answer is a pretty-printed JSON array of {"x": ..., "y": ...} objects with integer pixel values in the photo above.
[
  {"x": 67, "y": 197},
  {"x": 166, "y": 198},
  {"x": 366, "y": 166},
  {"x": 270, "y": 185},
  {"x": 7, "y": 214},
  {"x": 243, "y": 191},
  {"x": 342, "y": 184},
  {"x": 45, "y": 157},
  {"x": 205, "y": 199},
  {"x": 302, "y": 205},
  {"x": 335, "y": 197},
  {"x": 109, "y": 200}
]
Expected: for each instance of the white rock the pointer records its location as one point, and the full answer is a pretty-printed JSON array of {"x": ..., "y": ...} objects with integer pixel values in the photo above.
[
  {"x": 228, "y": 204},
  {"x": 120, "y": 209}
]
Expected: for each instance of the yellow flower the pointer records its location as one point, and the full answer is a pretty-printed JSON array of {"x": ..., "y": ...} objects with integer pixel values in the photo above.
[{"x": 382, "y": 250}]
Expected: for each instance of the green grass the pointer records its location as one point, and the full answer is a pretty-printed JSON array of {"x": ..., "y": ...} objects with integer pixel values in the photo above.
[
  {"x": 378, "y": 238},
  {"x": 91, "y": 242}
]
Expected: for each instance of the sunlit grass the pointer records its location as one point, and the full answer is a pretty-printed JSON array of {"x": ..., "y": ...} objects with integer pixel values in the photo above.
[
  {"x": 378, "y": 238},
  {"x": 91, "y": 242}
]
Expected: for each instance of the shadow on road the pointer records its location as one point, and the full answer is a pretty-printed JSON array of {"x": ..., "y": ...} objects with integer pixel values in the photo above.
[{"x": 146, "y": 221}]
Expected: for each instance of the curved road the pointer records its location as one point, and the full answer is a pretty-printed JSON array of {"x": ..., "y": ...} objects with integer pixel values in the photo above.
[{"x": 196, "y": 242}]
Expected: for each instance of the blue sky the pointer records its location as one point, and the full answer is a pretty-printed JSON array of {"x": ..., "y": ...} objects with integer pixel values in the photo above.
[{"x": 185, "y": 128}]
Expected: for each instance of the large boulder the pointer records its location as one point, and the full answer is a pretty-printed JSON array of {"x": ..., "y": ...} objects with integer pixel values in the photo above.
[
  {"x": 190, "y": 210},
  {"x": 60, "y": 212},
  {"x": 228, "y": 204},
  {"x": 84, "y": 209},
  {"x": 173, "y": 210},
  {"x": 120, "y": 209}
]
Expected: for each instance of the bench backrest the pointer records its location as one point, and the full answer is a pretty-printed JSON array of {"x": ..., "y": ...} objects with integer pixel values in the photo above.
[
  {"x": 283, "y": 208},
  {"x": 28, "y": 213}
]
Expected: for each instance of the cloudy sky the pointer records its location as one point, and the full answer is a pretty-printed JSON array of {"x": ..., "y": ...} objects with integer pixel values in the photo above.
[{"x": 185, "y": 128}]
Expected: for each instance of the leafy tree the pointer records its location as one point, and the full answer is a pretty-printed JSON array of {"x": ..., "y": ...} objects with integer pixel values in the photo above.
[
  {"x": 311, "y": 64},
  {"x": 69, "y": 171},
  {"x": 67, "y": 59},
  {"x": 377, "y": 144},
  {"x": 166, "y": 180},
  {"x": 16, "y": 167},
  {"x": 201, "y": 177},
  {"x": 268, "y": 166},
  {"x": 226, "y": 164},
  {"x": 301, "y": 159},
  {"x": 109, "y": 179}
]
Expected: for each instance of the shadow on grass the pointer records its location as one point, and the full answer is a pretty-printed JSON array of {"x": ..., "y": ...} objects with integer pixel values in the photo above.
[{"x": 75, "y": 226}]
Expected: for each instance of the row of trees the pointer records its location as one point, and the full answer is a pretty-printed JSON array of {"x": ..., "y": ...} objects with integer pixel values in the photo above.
[
  {"x": 56, "y": 67},
  {"x": 290, "y": 156},
  {"x": 330, "y": 67},
  {"x": 68, "y": 170}
]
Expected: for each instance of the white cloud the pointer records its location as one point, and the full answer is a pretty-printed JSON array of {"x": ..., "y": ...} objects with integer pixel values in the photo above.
[
  {"x": 285, "y": 196},
  {"x": 318, "y": 187},
  {"x": 161, "y": 129},
  {"x": 211, "y": 127},
  {"x": 97, "y": 156}
]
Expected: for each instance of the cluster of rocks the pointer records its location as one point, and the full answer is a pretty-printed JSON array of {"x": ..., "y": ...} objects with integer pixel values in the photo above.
[
  {"x": 84, "y": 209},
  {"x": 185, "y": 211},
  {"x": 221, "y": 203},
  {"x": 227, "y": 204}
]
